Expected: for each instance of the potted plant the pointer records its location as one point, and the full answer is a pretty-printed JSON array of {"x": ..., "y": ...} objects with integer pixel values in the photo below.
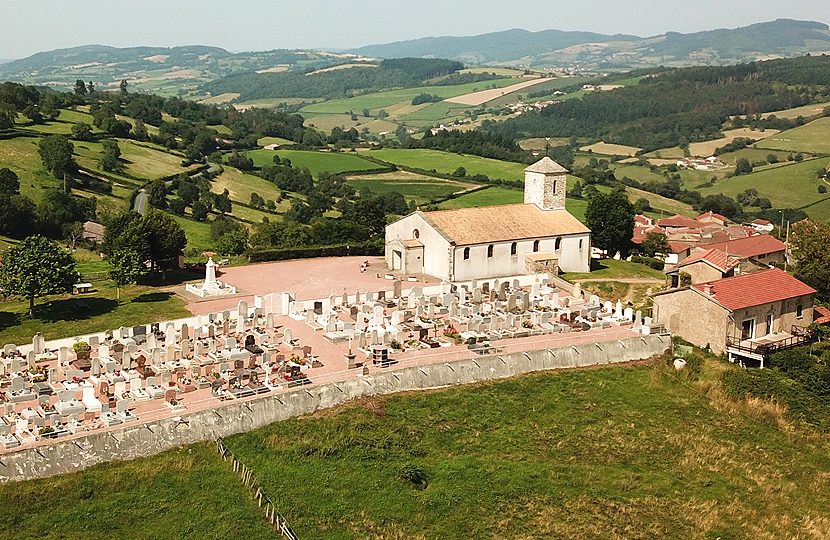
[{"x": 82, "y": 350}]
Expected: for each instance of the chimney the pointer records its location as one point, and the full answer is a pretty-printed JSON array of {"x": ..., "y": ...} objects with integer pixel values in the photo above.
[{"x": 707, "y": 289}]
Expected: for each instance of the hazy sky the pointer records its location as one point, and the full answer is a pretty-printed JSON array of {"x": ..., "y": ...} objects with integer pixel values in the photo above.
[{"x": 30, "y": 26}]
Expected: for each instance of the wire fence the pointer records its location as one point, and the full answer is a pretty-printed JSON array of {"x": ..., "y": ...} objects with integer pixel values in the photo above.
[{"x": 252, "y": 484}]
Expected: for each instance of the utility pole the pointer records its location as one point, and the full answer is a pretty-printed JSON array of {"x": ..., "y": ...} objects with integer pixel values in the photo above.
[{"x": 547, "y": 146}]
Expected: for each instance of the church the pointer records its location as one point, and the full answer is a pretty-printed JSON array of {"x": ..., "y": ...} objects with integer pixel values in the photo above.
[{"x": 496, "y": 241}]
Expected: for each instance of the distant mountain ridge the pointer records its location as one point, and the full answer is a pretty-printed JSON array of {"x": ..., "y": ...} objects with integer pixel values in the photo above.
[{"x": 555, "y": 48}]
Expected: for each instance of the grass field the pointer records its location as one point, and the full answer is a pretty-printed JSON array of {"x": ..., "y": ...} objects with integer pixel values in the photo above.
[
  {"x": 380, "y": 100},
  {"x": 664, "y": 204},
  {"x": 616, "y": 452},
  {"x": 240, "y": 185},
  {"x": 806, "y": 111},
  {"x": 21, "y": 156},
  {"x": 481, "y": 97},
  {"x": 792, "y": 186},
  {"x": 611, "y": 269},
  {"x": 265, "y": 141},
  {"x": 813, "y": 137},
  {"x": 139, "y": 160},
  {"x": 317, "y": 162},
  {"x": 63, "y": 124},
  {"x": 414, "y": 187},
  {"x": 197, "y": 233},
  {"x": 611, "y": 149},
  {"x": 59, "y": 316},
  {"x": 754, "y": 155},
  {"x": 184, "y": 493},
  {"x": 445, "y": 162},
  {"x": 552, "y": 85}
]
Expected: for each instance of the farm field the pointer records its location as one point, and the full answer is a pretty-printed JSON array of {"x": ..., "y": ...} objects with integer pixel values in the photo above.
[
  {"x": 380, "y": 100},
  {"x": 188, "y": 490},
  {"x": 20, "y": 155},
  {"x": 753, "y": 155},
  {"x": 139, "y": 161},
  {"x": 540, "y": 143},
  {"x": 265, "y": 141},
  {"x": 63, "y": 124},
  {"x": 806, "y": 111},
  {"x": 791, "y": 186},
  {"x": 660, "y": 204},
  {"x": 551, "y": 84},
  {"x": 483, "y": 96},
  {"x": 609, "y": 149},
  {"x": 813, "y": 137},
  {"x": 433, "y": 113},
  {"x": 621, "y": 451},
  {"x": 638, "y": 173},
  {"x": 317, "y": 162},
  {"x": 197, "y": 233},
  {"x": 220, "y": 99},
  {"x": 492, "y": 196},
  {"x": 447, "y": 163},
  {"x": 240, "y": 185},
  {"x": 414, "y": 187}
]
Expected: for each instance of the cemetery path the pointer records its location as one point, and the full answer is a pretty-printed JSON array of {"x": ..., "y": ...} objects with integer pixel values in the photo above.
[{"x": 633, "y": 281}]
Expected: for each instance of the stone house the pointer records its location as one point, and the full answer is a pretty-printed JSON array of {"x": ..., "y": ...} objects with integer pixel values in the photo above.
[
  {"x": 764, "y": 248},
  {"x": 703, "y": 266},
  {"x": 749, "y": 316},
  {"x": 497, "y": 241}
]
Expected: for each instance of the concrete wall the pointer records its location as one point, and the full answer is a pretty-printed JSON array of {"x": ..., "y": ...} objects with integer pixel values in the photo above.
[{"x": 149, "y": 439}]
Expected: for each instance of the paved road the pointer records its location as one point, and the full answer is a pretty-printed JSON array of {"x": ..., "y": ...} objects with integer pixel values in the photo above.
[{"x": 140, "y": 203}]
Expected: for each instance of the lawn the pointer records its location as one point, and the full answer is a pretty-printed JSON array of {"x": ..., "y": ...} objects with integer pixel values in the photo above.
[
  {"x": 317, "y": 162},
  {"x": 616, "y": 452},
  {"x": 414, "y": 187},
  {"x": 65, "y": 315},
  {"x": 184, "y": 493},
  {"x": 813, "y": 137},
  {"x": 611, "y": 269},
  {"x": 447, "y": 163},
  {"x": 380, "y": 100},
  {"x": 791, "y": 186},
  {"x": 20, "y": 155},
  {"x": 197, "y": 233}
]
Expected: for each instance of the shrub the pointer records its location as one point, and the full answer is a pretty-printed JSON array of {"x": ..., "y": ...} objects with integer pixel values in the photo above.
[
  {"x": 651, "y": 262},
  {"x": 414, "y": 474}
]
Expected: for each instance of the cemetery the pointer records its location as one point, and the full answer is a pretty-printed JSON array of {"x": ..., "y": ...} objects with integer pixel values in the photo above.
[{"x": 75, "y": 387}]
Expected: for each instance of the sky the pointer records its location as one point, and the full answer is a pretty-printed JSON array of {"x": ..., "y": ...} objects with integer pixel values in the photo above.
[{"x": 29, "y": 26}]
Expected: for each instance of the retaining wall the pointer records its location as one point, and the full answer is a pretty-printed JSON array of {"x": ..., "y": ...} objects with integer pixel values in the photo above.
[{"x": 141, "y": 440}]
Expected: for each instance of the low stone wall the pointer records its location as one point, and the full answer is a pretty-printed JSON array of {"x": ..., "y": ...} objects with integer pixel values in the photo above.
[{"x": 142, "y": 440}]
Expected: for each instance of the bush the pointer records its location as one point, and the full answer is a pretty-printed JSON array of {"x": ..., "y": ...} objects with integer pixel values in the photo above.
[
  {"x": 822, "y": 189},
  {"x": 309, "y": 252},
  {"x": 414, "y": 474},
  {"x": 651, "y": 262}
]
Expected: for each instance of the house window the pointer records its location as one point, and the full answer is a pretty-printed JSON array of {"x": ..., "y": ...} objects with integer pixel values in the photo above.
[
  {"x": 466, "y": 254},
  {"x": 535, "y": 246},
  {"x": 514, "y": 248},
  {"x": 799, "y": 311},
  {"x": 416, "y": 233},
  {"x": 558, "y": 244},
  {"x": 490, "y": 251},
  {"x": 580, "y": 243}
]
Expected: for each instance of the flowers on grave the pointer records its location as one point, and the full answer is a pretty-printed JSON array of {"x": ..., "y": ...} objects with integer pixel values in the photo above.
[
  {"x": 395, "y": 344},
  {"x": 45, "y": 430},
  {"x": 527, "y": 324},
  {"x": 81, "y": 347},
  {"x": 38, "y": 374}
]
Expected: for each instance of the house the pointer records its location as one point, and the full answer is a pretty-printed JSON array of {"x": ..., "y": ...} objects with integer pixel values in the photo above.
[
  {"x": 480, "y": 243},
  {"x": 764, "y": 248},
  {"x": 675, "y": 222},
  {"x": 703, "y": 266},
  {"x": 762, "y": 226},
  {"x": 711, "y": 217},
  {"x": 749, "y": 316},
  {"x": 93, "y": 232}
]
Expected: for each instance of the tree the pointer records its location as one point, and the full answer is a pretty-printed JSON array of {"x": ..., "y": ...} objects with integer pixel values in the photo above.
[
  {"x": 32, "y": 113},
  {"x": 655, "y": 243},
  {"x": 36, "y": 267},
  {"x": 809, "y": 241},
  {"x": 18, "y": 216},
  {"x": 576, "y": 190},
  {"x": 256, "y": 200},
  {"x": 109, "y": 158},
  {"x": 56, "y": 154},
  {"x": 126, "y": 266},
  {"x": 240, "y": 161},
  {"x": 80, "y": 87},
  {"x": 742, "y": 166},
  {"x": 9, "y": 182},
  {"x": 222, "y": 203},
  {"x": 200, "y": 210},
  {"x": 177, "y": 206},
  {"x": 90, "y": 87},
  {"x": 157, "y": 194},
  {"x": 610, "y": 216},
  {"x": 233, "y": 242},
  {"x": 82, "y": 132},
  {"x": 642, "y": 205},
  {"x": 460, "y": 172},
  {"x": 165, "y": 239},
  {"x": 123, "y": 87},
  {"x": 139, "y": 131},
  {"x": 8, "y": 115}
]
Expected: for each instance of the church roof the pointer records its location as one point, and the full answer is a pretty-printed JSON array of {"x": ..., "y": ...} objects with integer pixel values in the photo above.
[
  {"x": 547, "y": 166},
  {"x": 488, "y": 224}
]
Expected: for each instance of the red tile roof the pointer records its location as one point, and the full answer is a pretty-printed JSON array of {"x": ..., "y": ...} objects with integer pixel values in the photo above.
[
  {"x": 714, "y": 257},
  {"x": 711, "y": 214},
  {"x": 678, "y": 247},
  {"x": 761, "y": 222},
  {"x": 753, "y": 246},
  {"x": 755, "y": 289},
  {"x": 822, "y": 315},
  {"x": 677, "y": 221}
]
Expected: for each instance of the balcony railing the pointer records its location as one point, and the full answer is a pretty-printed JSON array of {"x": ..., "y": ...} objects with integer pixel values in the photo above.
[{"x": 798, "y": 337}]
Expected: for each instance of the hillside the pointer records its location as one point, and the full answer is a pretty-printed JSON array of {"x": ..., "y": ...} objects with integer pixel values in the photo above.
[
  {"x": 554, "y": 48},
  {"x": 616, "y": 452}
]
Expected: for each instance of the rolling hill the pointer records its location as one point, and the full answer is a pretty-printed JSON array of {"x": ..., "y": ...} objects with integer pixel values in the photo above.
[{"x": 554, "y": 48}]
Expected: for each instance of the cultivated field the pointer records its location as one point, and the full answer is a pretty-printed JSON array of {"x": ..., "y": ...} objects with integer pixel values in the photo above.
[
  {"x": 316, "y": 162},
  {"x": 609, "y": 149},
  {"x": 806, "y": 111},
  {"x": 791, "y": 186},
  {"x": 220, "y": 99},
  {"x": 483, "y": 96},
  {"x": 414, "y": 187},
  {"x": 813, "y": 137},
  {"x": 445, "y": 162}
]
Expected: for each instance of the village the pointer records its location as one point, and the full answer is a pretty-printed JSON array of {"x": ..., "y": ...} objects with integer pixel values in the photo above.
[{"x": 454, "y": 285}]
